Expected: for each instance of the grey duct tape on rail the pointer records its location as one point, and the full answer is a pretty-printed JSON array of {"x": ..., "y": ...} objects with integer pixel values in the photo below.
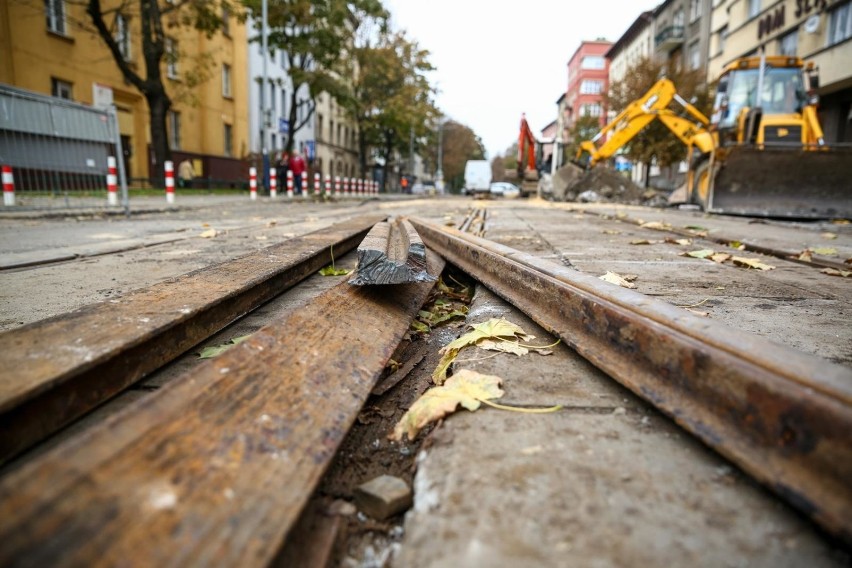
[{"x": 391, "y": 253}]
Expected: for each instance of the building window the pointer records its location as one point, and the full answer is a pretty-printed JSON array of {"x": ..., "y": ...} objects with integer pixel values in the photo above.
[
  {"x": 591, "y": 109},
  {"x": 593, "y": 62},
  {"x": 694, "y": 10},
  {"x": 171, "y": 58},
  {"x": 55, "y": 12},
  {"x": 272, "y": 100},
  {"x": 284, "y": 103},
  {"x": 723, "y": 36},
  {"x": 590, "y": 87},
  {"x": 229, "y": 140},
  {"x": 677, "y": 21},
  {"x": 173, "y": 119},
  {"x": 60, "y": 88},
  {"x": 226, "y": 80},
  {"x": 788, "y": 44},
  {"x": 840, "y": 23},
  {"x": 694, "y": 56},
  {"x": 753, "y": 8},
  {"x": 319, "y": 128},
  {"x": 122, "y": 36}
]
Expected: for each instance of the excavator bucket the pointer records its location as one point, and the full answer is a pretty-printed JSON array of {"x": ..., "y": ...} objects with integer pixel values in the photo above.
[{"x": 784, "y": 182}]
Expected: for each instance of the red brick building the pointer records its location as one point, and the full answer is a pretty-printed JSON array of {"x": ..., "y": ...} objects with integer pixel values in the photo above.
[{"x": 588, "y": 81}]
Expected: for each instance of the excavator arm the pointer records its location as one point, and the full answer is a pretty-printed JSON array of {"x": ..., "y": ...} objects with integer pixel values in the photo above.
[
  {"x": 639, "y": 114},
  {"x": 526, "y": 147}
]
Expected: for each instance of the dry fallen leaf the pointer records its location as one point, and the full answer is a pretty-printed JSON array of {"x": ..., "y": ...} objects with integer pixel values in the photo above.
[
  {"x": 261, "y": 237},
  {"x": 503, "y": 346},
  {"x": 751, "y": 263},
  {"x": 828, "y": 236},
  {"x": 825, "y": 251},
  {"x": 215, "y": 350},
  {"x": 703, "y": 253},
  {"x": 617, "y": 279},
  {"x": 491, "y": 329},
  {"x": 656, "y": 225},
  {"x": 806, "y": 256},
  {"x": 644, "y": 242},
  {"x": 208, "y": 234},
  {"x": 835, "y": 272},
  {"x": 610, "y": 232},
  {"x": 466, "y": 388},
  {"x": 271, "y": 223},
  {"x": 682, "y": 242},
  {"x": 698, "y": 313},
  {"x": 720, "y": 257}
]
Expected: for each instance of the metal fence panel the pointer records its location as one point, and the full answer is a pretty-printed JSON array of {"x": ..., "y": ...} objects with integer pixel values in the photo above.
[{"x": 58, "y": 152}]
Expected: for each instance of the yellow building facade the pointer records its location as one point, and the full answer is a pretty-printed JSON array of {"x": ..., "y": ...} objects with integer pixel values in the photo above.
[
  {"x": 818, "y": 31},
  {"x": 51, "y": 47}
]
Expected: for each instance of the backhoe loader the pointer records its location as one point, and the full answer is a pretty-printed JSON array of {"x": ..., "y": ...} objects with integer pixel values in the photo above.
[
  {"x": 761, "y": 154},
  {"x": 526, "y": 175}
]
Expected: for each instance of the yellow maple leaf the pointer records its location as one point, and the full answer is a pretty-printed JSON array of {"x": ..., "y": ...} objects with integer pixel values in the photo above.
[
  {"x": 491, "y": 329},
  {"x": 466, "y": 388}
]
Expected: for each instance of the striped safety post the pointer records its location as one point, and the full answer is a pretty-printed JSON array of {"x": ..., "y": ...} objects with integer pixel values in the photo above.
[
  {"x": 328, "y": 185},
  {"x": 305, "y": 185},
  {"x": 273, "y": 183},
  {"x": 346, "y": 187},
  {"x": 337, "y": 186},
  {"x": 289, "y": 184},
  {"x": 170, "y": 181},
  {"x": 112, "y": 182},
  {"x": 8, "y": 186},
  {"x": 360, "y": 187},
  {"x": 317, "y": 184},
  {"x": 253, "y": 183}
]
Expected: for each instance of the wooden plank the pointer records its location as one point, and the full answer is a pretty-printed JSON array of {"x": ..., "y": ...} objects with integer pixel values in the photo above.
[
  {"x": 214, "y": 468},
  {"x": 55, "y": 370},
  {"x": 391, "y": 253}
]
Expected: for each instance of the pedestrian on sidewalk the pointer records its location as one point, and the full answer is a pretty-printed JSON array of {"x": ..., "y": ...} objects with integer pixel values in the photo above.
[
  {"x": 298, "y": 167},
  {"x": 185, "y": 174}
]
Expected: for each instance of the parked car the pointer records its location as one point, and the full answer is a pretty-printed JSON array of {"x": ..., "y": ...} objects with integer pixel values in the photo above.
[{"x": 504, "y": 189}]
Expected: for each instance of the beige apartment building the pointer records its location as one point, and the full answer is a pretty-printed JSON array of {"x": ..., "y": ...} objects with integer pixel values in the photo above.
[
  {"x": 819, "y": 31},
  {"x": 50, "y": 47},
  {"x": 336, "y": 141}
]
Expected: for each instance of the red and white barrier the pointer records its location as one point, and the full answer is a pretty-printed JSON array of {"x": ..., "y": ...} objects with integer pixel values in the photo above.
[
  {"x": 112, "y": 182},
  {"x": 327, "y": 185},
  {"x": 273, "y": 183},
  {"x": 170, "y": 181},
  {"x": 8, "y": 187},
  {"x": 305, "y": 185},
  {"x": 253, "y": 183},
  {"x": 337, "y": 186},
  {"x": 345, "y": 187},
  {"x": 317, "y": 188},
  {"x": 360, "y": 187},
  {"x": 289, "y": 184}
]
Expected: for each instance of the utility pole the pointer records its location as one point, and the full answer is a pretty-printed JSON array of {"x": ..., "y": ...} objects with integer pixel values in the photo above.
[
  {"x": 264, "y": 118},
  {"x": 411, "y": 152},
  {"x": 439, "y": 174}
]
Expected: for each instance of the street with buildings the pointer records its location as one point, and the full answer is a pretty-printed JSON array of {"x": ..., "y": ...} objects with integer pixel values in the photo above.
[{"x": 199, "y": 365}]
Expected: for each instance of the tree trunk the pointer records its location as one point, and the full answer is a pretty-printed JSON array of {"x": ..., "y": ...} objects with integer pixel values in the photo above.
[{"x": 158, "y": 107}]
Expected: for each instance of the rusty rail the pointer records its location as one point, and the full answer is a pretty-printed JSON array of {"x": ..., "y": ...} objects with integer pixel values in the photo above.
[
  {"x": 791, "y": 256},
  {"x": 55, "y": 370},
  {"x": 391, "y": 253},
  {"x": 214, "y": 468},
  {"x": 783, "y": 416}
]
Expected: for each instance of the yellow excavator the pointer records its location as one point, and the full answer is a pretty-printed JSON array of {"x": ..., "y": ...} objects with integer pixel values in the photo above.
[{"x": 761, "y": 154}]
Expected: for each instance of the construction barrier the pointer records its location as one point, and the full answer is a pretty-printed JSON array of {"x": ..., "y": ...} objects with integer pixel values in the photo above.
[
  {"x": 170, "y": 181},
  {"x": 317, "y": 188},
  {"x": 253, "y": 183},
  {"x": 273, "y": 183},
  {"x": 112, "y": 182},
  {"x": 8, "y": 187},
  {"x": 337, "y": 186},
  {"x": 289, "y": 184}
]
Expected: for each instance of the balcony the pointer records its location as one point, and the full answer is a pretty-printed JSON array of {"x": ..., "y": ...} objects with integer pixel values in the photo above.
[{"x": 669, "y": 38}]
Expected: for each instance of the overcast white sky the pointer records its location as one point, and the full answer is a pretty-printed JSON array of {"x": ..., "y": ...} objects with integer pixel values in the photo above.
[{"x": 496, "y": 60}]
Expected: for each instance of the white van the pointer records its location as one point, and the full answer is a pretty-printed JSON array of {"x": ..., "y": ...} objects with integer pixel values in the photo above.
[{"x": 477, "y": 177}]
